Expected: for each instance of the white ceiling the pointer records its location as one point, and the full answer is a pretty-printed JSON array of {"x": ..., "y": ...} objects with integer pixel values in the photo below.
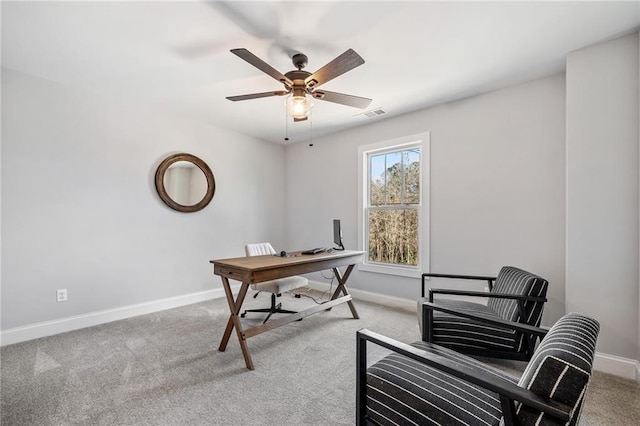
[{"x": 417, "y": 54}]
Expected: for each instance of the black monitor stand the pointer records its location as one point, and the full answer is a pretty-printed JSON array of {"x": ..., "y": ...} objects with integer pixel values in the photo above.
[{"x": 337, "y": 234}]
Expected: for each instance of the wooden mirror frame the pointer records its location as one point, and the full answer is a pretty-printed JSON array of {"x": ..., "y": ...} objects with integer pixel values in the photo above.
[{"x": 162, "y": 191}]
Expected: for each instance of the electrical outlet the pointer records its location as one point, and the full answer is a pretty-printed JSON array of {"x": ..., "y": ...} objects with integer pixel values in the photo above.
[{"x": 61, "y": 295}]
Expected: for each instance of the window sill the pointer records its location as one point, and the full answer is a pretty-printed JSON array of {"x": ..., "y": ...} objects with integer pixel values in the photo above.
[{"x": 391, "y": 270}]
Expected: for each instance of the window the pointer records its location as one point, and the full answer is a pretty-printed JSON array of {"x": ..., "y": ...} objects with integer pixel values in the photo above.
[{"x": 393, "y": 199}]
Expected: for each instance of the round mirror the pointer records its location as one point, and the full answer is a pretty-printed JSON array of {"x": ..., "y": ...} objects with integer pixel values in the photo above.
[{"x": 185, "y": 183}]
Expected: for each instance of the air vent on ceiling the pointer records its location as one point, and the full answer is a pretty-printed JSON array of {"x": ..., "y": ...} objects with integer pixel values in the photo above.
[{"x": 373, "y": 113}]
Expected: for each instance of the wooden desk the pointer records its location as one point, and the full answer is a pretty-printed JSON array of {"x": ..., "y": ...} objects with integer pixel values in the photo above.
[{"x": 255, "y": 269}]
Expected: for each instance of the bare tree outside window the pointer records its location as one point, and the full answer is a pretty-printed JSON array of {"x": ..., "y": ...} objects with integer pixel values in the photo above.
[{"x": 393, "y": 206}]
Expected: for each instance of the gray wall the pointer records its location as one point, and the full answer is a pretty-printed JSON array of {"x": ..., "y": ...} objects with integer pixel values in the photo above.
[
  {"x": 508, "y": 186},
  {"x": 497, "y": 187},
  {"x": 80, "y": 210},
  {"x": 602, "y": 190}
]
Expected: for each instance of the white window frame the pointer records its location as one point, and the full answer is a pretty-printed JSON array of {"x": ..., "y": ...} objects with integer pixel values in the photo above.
[{"x": 420, "y": 140}]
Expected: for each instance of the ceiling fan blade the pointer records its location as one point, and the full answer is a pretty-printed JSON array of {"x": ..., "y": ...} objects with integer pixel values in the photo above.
[
  {"x": 257, "y": 95},
  {"x": 340, "y": 65},
  {"x": 341, "y": 98},
  {"x": 261, "y": 65}
]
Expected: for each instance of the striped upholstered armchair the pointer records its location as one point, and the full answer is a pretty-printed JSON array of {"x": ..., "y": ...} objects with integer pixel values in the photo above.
[
  {"x": 427, "y": 384},
  {"x": 473, "y": 328}
]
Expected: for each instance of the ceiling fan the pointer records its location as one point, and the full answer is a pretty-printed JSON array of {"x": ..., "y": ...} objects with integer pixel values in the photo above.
[{"x": 300, "y": 83}]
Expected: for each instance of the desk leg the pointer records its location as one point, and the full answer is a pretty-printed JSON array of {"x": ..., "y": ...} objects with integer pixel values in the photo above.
[
  {"x": 234, "y": 321},
  {"x": 342, "y": 280}
]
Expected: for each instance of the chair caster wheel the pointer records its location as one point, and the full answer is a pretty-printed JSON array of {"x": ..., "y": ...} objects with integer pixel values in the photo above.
[{"x": 242, "y": 315}]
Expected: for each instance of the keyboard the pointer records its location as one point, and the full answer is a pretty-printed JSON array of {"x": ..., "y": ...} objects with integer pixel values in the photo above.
[{"x": 314, "y": 250}]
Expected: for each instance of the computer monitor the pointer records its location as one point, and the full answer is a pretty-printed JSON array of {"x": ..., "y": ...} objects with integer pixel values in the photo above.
[{"x": 337, "y": 234}]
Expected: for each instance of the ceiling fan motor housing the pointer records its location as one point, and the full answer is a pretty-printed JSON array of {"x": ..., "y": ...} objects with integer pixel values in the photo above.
[
  {"x": 300, "y": 60},
  {"x": 298, "y": 78}
]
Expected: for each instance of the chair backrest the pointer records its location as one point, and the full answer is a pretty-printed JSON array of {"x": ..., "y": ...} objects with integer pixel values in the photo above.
[
  {"x": 259, "y": 249},
  {"x": 513, "y": 280},
  {"x": 561, "y": 367}
]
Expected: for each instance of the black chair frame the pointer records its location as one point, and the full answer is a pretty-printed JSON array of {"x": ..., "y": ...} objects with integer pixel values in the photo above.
[
  {"x": 508, "y": 392},
  {"x": 428, "y": 308},
  {"x": 490, "y": 280}
]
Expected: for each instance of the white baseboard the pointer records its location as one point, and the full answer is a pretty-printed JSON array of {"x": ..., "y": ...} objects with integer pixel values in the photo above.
[
  {"x": 49, "y": 328},
  {"x": 381, "y": 299},
  {"x": 618, "y": 366},
  {"x": 611, "y": 364}
]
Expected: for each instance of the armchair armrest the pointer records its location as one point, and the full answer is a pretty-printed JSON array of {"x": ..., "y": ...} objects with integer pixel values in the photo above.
[
  {"x": 428, "y": 308},
  {"x": 509, "y": 392},
  {"x": 490, "y": 280},
  {"x": 519, "y": 297}
]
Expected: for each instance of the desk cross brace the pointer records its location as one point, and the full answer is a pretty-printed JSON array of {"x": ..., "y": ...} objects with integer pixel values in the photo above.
[{"x": 236, "y": 305}]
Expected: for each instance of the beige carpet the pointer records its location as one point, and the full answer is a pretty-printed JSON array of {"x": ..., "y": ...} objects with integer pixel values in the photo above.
[{"x": 165, "y": 369}]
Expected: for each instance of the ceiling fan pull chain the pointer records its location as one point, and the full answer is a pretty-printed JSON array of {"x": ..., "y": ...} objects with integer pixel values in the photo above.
[
  {"x": 311, "y": 128},
  {"x": 286, "y": 124}
]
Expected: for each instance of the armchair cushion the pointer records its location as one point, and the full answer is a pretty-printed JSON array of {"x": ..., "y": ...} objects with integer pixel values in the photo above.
[
  {"x": 401, "y": 390},
  {"x": 513, "y": 280},
  {"x": 458, "y": 332}
]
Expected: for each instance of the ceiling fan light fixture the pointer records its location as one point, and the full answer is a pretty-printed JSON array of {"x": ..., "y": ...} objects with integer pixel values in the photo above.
[{"x": 298, "y": 107}]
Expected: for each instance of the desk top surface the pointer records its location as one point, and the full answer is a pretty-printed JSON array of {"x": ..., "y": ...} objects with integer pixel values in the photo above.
[{"x": 256, "y": 263}]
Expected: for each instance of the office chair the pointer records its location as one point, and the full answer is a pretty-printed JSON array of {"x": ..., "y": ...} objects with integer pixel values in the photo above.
[{"x": 275, "y": 287}]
